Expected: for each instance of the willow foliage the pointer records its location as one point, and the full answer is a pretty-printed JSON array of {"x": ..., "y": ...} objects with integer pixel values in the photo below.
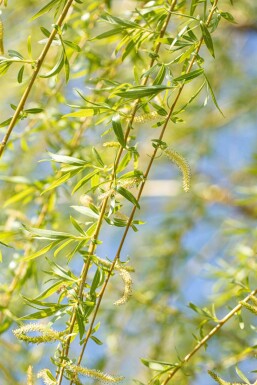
[{"x": 95, "y": 93}]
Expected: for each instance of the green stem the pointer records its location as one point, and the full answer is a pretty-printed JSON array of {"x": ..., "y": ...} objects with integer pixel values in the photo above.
[
  {"x": 141, "y": 190},
  {"x": 208, "y": 336},
  {"x": 34, "y": 77},
  {"x": 92, "y": 246}
]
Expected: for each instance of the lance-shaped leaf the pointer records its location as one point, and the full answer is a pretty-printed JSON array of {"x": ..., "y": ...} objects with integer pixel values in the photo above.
[
  {"x": 207, "y": 38},
  {"x": 128, "y": 195},
  {"x": 117, "y": 128},
  {"x": 141, "y": 91}
]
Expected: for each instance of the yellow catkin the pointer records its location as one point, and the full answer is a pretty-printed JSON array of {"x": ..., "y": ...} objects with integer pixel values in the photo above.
[
  {"x": 181, "y": 162},
  {"x": 123, "y": 271},
  {"x": 1, "y": 37},
  {"x": 47, "y": 377},
  {"x": 251, "y": 308},
  {"x": 108, "y": 264},
  {"x": 130, "y": 182},
  {"x": 47, "y": 334},
  {"x": 111, "y": 144},
  {"x": 146, "y": 117},
  {"x": 97, "y": 374},
  {"x": 30, "y": 376},
  {"x": 220, "y": 381},
  {"x": 126, "y": 278}
]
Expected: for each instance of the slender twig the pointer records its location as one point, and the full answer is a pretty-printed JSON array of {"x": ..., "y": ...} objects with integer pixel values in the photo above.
[
  {"x": 22, "y": 268},
  {"x": 117, "y": 256},
  {"x": 39, "y": 62},
  {"x": 200, "y": 344},
  {"x": 92, "y": 246}
]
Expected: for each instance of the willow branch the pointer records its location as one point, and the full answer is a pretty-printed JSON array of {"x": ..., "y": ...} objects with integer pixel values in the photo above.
[
  {"x": 92, "y": 246},
  {"x": 200, "y": 344},
  {"x": 39, "y": 62},
  {"x": 117, "y": 256}
]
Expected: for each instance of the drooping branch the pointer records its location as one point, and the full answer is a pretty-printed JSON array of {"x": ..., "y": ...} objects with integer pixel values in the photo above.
[
  {"x": 200, "y": 344},
  {"x": 38, "y": 66}
]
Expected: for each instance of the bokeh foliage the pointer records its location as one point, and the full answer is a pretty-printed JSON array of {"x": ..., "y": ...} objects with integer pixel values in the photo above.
[{"x": 196, "y": 253}]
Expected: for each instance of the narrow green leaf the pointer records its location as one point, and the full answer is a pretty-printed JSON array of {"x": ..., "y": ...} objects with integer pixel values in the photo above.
[
  {"x": 45, "y": 31},
  {"x": 128, "y": 195},
  {"x": 117, "y": 128},
  {"x": 160, "y": 76},
  {"x": 5, "y": 123},
  {"x": 213, "y": 96},
  {"x": 57, "y": 68},
  {"x": 109, "y": 33},
  {"x": 40, "y": 252},
  {"x": 16, "y": 54},
  {"x": 98, "y": 157},
  {"x": 60, "y": 248},
  {"x": 43, "y": 313},
  {"x": 47, "y": 234},
  {"x": 227, "y": 16},
  {"x": 20, "y": 196},
  {"x": 57, "y": 182},
  {"x": 50, "y": 290},
  {"x": 191, "y": 75},
  {"x": 124, "y": 162},
  {"x": 141, "y": 92},
  {"x": 76, "y": 225},
  {"x": 72, "y": 45},
  {"x": 45, "y": 9},
  {"x": 96, "y": 340},
  {"x": 157, "y": 365},
  {"x": 84, "y": 180},
  {"x": 207, "y": 38},
  {"x": 20, "y": 74},
  {"x": 95, "y": 281},
  {"x": 84, "y": 113},
  {"x": 86, "y": 211},
  {"x": 242, "y": 376},
  {"x": 67, "y": 159},
  {"x": 29, "y": 46}
]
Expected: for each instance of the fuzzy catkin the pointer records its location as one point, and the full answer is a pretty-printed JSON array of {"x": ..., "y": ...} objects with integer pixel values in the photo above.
[
  {"x": 111, "y": 144},
  {"x": 126, "y": 278},
  {"x": 97, "y": 374},
  {"x": 47, "y": 334},
  {"x": 146, "y": 117},
  {"x": 220, "y": 381},
  {"x": 46, "y": 376},
  {"x": 30, "y": 376},
  {"x": 251, "y": 308},
  {"x": 181, "y": 162}
]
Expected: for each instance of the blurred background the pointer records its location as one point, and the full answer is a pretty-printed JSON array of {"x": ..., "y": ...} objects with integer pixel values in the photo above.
[{"x": 197, "y": 247}]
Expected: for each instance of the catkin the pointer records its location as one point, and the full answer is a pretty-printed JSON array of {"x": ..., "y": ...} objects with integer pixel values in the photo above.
[
  {"x": 251, "y": 308},
  {"x": 97, "y": 374},
  {"x": 126, "y": 278},
  {"x": 111, "y": 144},
  {"x": 47, "y": 334},
  {"x": 30, "y": 376},
  {"x": 220, "y": 381},
  {"x": 46, "y": 376},
  {"x": 181, "y": 162},
  {"x": 1, "y": 37},
  {"x": 146, "y": 117}
]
